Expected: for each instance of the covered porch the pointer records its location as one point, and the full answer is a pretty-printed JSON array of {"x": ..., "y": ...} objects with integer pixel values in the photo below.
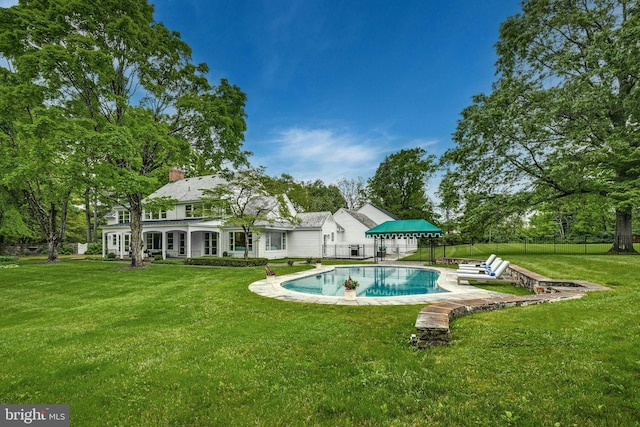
[{"x": 169, "y": 241}]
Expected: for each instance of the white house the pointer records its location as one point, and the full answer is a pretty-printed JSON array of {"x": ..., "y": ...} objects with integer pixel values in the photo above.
[
  {"x": 182, "y": 231},
  {"x": 353, "y": 241}
]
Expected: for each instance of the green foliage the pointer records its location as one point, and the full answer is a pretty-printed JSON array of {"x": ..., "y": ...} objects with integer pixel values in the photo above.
[
  {"x": 226, "y": 262},
  {"x": 65, "y": 250},
  {"x": 562, "y": 117},
  {"x": 94, "y": 249},
  {"x": 14, "y": 226},
  {"x": 111, "y": 100},
  {"x": 399, "y": 184},
  {"x": 8, "y": 258},
  {"x": 311, "y": 196},
  {"x": 111, "y": 257}
]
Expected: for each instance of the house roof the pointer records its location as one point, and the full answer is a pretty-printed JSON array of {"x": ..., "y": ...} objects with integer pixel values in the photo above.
[
  {"x": 404, "y": 228},
  {"x": 386, "y": 212},
  {"x": 365, "y": 220},
  {"x": 313, "y": 219},
  {"x": 188, "y": 189}
]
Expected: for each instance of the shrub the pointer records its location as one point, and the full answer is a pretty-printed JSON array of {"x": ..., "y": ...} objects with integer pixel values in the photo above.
[
  {"x": 8, "y": 258},
  {"x": 94, "y": 249},
  {"x": 227, "y": 262},
  {"x": 290, "y": 262},
  {"x": 110, "y": 257},
  {"x": 309, "y": 260},
  {"x": 65, "y": 250}
]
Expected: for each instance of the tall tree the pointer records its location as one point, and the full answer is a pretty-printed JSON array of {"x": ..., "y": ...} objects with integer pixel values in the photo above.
[
  {"x": 399, "y": 184},
  {"x": 149, "y": 107},
  {"x": 353, "y": 191},
  {"x": 248, "y": 199},
  {"x": 311, "y": 196},
  {"x": 563, "y": 118}
]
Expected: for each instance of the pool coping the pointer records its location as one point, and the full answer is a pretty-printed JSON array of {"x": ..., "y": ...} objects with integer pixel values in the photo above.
[{"x": 447, "y": 281}]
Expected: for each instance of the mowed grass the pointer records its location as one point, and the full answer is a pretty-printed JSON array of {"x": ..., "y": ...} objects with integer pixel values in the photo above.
[
  {"x": 191, "y": 346},
  {"x": 483, "y": 250}
]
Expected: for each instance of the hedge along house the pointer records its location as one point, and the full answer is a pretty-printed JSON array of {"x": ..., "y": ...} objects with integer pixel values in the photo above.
[{"x": 183, "y": 231}]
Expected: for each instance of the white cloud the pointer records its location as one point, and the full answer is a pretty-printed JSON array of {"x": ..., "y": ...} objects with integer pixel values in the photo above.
[
  {"x": 325, "y": 154},
  {"x": 329, "y": 153}
]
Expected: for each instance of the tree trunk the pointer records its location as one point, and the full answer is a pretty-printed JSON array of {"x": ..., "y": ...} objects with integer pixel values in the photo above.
[
  {"x": 137, "y": 244},
  {"x": 623, "y": 240},
  {"x": 52, "y": 251},
  {"x": 246, "y": 242},
  {"x": 52, "y": 234},
  {"x": 87, "y": 213},
  {"x": 95, "y": 220}
]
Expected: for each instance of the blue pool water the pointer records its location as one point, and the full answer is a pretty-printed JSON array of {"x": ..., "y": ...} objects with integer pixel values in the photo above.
[{"x": 380, "y": 281}]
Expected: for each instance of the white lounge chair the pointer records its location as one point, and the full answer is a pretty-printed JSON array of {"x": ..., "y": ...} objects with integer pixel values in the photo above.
[
  {"x": 488, "y": 269},
  {"x": 489, "y": 260},
  {"x": 484, "y": 276}
]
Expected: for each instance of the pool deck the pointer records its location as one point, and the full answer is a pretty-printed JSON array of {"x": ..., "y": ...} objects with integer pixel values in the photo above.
[{"x": 447, "y": 281}]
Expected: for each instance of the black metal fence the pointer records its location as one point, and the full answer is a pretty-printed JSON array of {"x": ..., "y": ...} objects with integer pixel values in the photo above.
[
  {"x": 543, "y": 246},
  {"x": 368, "y": 251}
]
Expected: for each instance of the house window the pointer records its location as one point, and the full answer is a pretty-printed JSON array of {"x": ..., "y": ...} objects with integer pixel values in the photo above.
[
  {"x": 114, "y": 242},
  {"x": 170, "y": 241},
  {"x": 192, "y": 211},
  {"x": 276, "y": 241},
  {"x": 237, "y": 241},
  {"x": 124, "y": 217},
  {"x": 127, "y": 242},
  {"x": 155, "y": 215},
  {"x": 332, "y": 236},
  {"x": 154, "y": 241},
  {"x": 181, "y": 244},
  {"x": 210, "y": 243}
]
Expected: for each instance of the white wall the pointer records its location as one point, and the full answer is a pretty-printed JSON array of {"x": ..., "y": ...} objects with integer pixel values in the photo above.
[
  {"x": 305, "y": 243},
  {"x": 353, "y": 229}
]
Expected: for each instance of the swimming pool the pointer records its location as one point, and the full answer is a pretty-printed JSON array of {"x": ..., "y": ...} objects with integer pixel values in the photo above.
[{"x": 375, "y": 281}]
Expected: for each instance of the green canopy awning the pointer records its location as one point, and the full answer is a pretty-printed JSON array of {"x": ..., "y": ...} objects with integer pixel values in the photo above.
[{"x": 404, "y": 228}]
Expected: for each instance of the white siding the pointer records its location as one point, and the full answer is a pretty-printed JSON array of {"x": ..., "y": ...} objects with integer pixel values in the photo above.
[
  {"x": 353, "y": 229},
  {"x": 305, "y": 243}
]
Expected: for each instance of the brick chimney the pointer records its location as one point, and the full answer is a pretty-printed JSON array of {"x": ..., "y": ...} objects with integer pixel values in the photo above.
[{"x": 175, "y": 174}]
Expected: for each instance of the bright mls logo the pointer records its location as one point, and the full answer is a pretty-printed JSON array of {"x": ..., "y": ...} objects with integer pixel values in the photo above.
[{"x": 34, "y": 415}]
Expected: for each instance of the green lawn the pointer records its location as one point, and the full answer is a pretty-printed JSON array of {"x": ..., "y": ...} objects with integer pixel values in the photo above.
[
  {"x": 483, "y": 250},
  {"x": 191, "y": 346}
]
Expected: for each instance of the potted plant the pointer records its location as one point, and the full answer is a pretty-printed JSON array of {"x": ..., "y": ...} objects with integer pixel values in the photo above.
[
  {"x": 350, "y": 286},
  {"x": 318, "y": 263},
  {"x": 271, "y": 274}
]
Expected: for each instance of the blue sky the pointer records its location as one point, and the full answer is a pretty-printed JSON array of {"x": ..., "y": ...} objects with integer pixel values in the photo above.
[{"x": 334, "y": 86}]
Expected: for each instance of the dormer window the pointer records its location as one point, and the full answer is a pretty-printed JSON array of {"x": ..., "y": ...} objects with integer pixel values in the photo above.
[
  {"x": 193, "y": 211},
  {"x": 124, "y": 217}
]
